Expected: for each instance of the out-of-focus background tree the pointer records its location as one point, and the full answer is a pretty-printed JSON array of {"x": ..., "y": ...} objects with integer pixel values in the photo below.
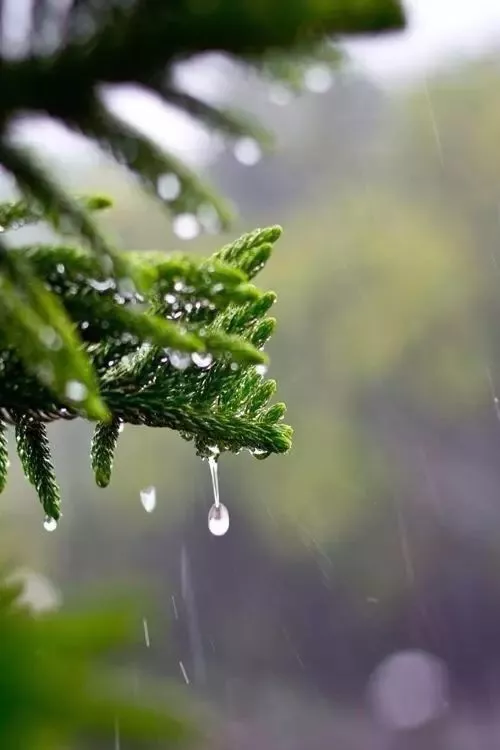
[{"x": 355, "y": 601}]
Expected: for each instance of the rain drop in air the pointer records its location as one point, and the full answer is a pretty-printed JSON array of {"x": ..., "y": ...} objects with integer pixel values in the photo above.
[{"x": 148, "y": 499}]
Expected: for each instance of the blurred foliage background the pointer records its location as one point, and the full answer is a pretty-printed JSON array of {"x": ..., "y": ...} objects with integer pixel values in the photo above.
[{"x": 380, "y": 532}]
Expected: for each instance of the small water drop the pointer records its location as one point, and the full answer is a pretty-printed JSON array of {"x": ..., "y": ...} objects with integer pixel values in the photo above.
[
  {"x": 75, "y": 390},
  {"x": 318, "y": 79},
  {"x": 234, "y": 366},
  {"x": 218, "y": 519},
  {"x": 247, "y": 151},
  {"x": 50, "y": 338},
  {"x": 202, "y": 359},
  {"x": 209, "y": 218},
  {"x": 186, "y": 226},
  {"x": 60, "y": 268},
  {"x": 49, "y": 524},
  {"x": 259, "y": 453},
  {"x": 102, "y": 286},
  {"x": 170, "y": 299},
  {"x": 280, "y": 95},
  {"x": 148, "y": 499},
  {"x": 180, "y": 360},
  {"x": 261, "y": 369},
  {"x": 169, "y": 187}
]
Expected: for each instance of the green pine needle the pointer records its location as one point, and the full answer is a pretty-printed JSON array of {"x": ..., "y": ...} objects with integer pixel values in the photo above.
[
  {"x": 185, "y": 352},
  {"x": 102, "y": 450},
  {"x": 34, "y": 452},
  {"x": 4, "y": 455}
]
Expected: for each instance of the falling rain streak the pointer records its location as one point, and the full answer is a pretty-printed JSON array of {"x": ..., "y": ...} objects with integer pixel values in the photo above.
[
  {"x": 146, "y": 632},
  {"x": 184, "y": 673},
  {"x": 496, "y": 400}
]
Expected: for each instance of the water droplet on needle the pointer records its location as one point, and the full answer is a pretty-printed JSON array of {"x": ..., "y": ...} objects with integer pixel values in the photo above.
[{"x": 49, "y": 524}]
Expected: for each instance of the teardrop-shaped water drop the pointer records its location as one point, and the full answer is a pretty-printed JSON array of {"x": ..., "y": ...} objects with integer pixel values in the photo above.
[
  {"x": 218, "y": 519},
  {"x": 148, "y": 499},
  {"x": 49, "y": 524}
]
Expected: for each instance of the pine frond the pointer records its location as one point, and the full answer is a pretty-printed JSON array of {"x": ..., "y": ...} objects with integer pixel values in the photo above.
[
  {"x": 34, "y": 452},
  {"x": 187, "y": 354}
]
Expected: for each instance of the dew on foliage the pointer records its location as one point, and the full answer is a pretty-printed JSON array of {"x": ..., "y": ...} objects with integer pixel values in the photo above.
[
  {"x": 102, "y": 286},
  {"x": 280, "y": 96},
  {"x": 318, "y": 78},
  {"x": 247, "y": 151},
  {"x": 50, "y": 338},
  {"x": 261, "y": 369},
  {"x": 169, "y": 187},
  {"x": 180, "y": 360},
  {"x": 75, "y": 390},
  {"x": 202, "y": 359},
  {"x": 186, "y": 226}
]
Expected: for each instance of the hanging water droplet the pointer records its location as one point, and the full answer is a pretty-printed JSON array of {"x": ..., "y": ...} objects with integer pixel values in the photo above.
[
  {"x": 75, "y": 390},
  {"x": 180, "y": 360},
  {"x": 218, "y": 519},
  {"x": 169, "y": 187},
  {"x": 49, "y": 524},
  {"x": 280, "y": 95},
  {"x": 102, "y": 286},
  {"x": 261, "y": 369},
  {"x": 126, "y": 288},
  {"x": 247, "y": 151},
  {"x": 170, "y": 299},
  {"x": 209, "y": 218},
  {"x": 234, "y": 366},
  {"x": 60, "y": 268},
  {"x": 148, "y": 499},
  {"x": 318, "y": 79},
  {"x": 186, "y": 226},
  {"x": 202, "y": 359},
  {"x": 259, "y": 453}
]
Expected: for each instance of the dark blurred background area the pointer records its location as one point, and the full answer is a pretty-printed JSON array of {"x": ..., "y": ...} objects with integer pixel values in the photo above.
[{"x": 355, "y": 601}]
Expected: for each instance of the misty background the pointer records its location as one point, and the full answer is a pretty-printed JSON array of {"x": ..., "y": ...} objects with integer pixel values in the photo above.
[{"x": 355, "y": 600}]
